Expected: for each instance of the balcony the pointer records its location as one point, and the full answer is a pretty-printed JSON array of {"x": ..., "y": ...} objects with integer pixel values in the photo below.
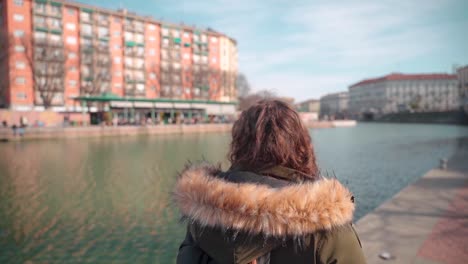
[
  {"x": 103, "y": 61},
  {"x": 134, "y": 66}
]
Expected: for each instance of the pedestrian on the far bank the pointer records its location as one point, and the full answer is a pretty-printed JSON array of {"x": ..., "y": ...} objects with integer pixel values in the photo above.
[
  {"x": 5, "y": 123},
  {"x": 14, "y": 128}
]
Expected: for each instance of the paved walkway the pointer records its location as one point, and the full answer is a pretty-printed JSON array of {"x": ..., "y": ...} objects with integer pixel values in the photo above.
[{"x": 427, "y": 222}]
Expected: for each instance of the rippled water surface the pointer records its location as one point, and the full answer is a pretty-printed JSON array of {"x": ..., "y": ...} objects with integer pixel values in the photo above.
[{"x": 108, "y": 200}]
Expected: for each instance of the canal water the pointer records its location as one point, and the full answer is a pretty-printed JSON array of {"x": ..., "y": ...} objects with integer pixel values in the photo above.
[{"x": 108, "y": 200}]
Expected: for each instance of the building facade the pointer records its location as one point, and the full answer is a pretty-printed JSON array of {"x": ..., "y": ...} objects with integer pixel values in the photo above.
[
  {"x": 312, "y": 105},
  {"x": 462, "y": 75},
  {"x": 404, "y": 92},
  {"x": 334, "y": 106},
  {"x": 60, "y": 51}
]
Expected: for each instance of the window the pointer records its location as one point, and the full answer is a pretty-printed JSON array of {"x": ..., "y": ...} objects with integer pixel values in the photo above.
[
  {"x": 39, "y": 21},
  {"x": 139, "y": 38},
  {"x": 140, "y": 87},
  {"x": 18, "y": 33},
  {"x": 55, "y": 38},
  {"x": 18, "y": 2},
  {"x": 152, "y": 27},
  {"x": 103, "y": 32},
  {"x": 117, "y": 60},
  {"x": 21, "y": 95},
  {"x": 86, "y": 29},
  {"x": 72, "y": 69},
  {"x": 118, "y": 85},
  {"x": 18, "y": 17},
  {"x": 152, "y": 76},
  {"x": 71, "y": 40},
  {"x": 55, "y": 10},
  {"x": 116, "y": 33},
  {"x": 71, "y": 11},
  {"x": 72, "y": 55},
  {"x": 39, "y": 7},
  {"x": 213, "y": 60},
  {"x": 186, "y": 34},
  {"x": 214, "y": 40},
  {"x": 70, "y": 26},
  {"x": 20, "y": 80},
  {"x": 20, "y": 65},
  {"x": 19, "y": 48},
  {"x": 117, "y": 73},
  {"x": 54, "y": 22},
  {"x": 116, "y": 20},
  {"x": 186, "y": 56},
  {"x": 72, "y": 83},
  {"x": 117, "y": 47},
  {"x": 152, "y": 39}
]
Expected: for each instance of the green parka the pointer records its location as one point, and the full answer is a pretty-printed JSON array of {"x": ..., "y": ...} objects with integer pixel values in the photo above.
[{"x": 272, "y": 216}]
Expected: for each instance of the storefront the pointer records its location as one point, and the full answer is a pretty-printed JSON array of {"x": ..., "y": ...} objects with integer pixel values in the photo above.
[{"x": 112, "y": 108}]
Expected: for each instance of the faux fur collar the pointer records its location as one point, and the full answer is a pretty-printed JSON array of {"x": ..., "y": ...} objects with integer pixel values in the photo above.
[{"x": 293, "y": 210}]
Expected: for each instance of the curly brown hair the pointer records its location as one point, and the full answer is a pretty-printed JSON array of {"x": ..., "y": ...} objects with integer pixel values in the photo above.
[{"x": 271, "y": 133}]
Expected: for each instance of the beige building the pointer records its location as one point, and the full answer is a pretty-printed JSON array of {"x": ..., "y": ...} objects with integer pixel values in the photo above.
[
  {"x": 228, "y": 57},
  {"x": 334, "y": 106},
  {"x": 311, "y": 105},
  {"x": 462, "y": 75},
  {"x": 399, "y": 92}
]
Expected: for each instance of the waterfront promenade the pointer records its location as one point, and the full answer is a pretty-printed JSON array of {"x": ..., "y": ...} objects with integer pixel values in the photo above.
[
  {"x": 6, "y": 134},
  {"x": 427, "y": 222},
  {"x": 105, "y": 131}
]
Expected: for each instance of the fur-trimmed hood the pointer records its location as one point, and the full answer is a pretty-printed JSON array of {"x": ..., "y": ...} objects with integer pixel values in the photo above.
[{"x": 206, "y": 197}]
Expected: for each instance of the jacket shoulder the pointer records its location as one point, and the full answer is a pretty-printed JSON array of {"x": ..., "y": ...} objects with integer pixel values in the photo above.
[{"x": 340, "y": 245}]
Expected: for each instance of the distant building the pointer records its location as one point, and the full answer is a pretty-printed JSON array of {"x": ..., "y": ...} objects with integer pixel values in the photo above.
[
  {"x": 334, "y": 106},
  {"x": 289, "y": 100},
  {"x": 309, "y": 110},
  {"x": 462, "y": 74},
  {"x": 399, "y": 92},
  {"x": 312, "y": 105}
]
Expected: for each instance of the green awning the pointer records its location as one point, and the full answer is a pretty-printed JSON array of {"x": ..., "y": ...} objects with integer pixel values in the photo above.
[
  {"x": 41, "y": 1},
  {"x": 87, "y": 10},
  {"x": 186, "y": 44},
  {"x": 130, "y": 44},
  {"x": 104, "y": 39},
  {"x": 101, "y": 98},
  {"x": 140, "y": 44},
  {"x": 41, "y": 29},
  {"x": 56, "y": 31},
  {"x": 55, "y": 4},
  {"x": 109, "y": 95},
  {"x": 177, "y": 40},
  {"x": 205, "y": 88},
  {"x": 88, "y": 79}
]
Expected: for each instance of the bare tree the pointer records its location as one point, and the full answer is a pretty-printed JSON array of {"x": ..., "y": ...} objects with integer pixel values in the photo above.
[
  {"x": 201, "y": 81},
  {"x": 242, "y": 85},
  {"x": 153, "y": 75},
  {"x": 171, "y": 80},
  {"x": 46, "y": 58},
  {"x": 96, "y": 69},
  {"x": 5, "y": 52},
  {"x": 249, "y": 100}
]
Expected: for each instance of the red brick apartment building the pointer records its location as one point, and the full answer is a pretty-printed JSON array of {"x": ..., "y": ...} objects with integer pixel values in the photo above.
[{"x": 75, "y": 58}]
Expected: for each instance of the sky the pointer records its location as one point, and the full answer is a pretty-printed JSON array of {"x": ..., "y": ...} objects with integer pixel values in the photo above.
[{"x": 306, "y": 49}]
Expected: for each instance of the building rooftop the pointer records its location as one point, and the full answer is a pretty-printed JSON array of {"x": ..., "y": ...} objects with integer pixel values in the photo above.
[
  {"x": 407, "y": 77},
  {"x": 308, "y": 101},
  {"x": 130, "y": 14},
  {"x": 330, "y": 95}
]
